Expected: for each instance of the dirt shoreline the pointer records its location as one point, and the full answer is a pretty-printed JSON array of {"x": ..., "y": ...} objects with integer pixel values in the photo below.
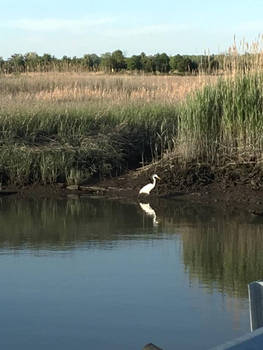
[{"x": 224, "y": 194}]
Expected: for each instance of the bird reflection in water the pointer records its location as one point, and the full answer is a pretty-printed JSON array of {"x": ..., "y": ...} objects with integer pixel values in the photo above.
[{"x": 149, "y": 211}]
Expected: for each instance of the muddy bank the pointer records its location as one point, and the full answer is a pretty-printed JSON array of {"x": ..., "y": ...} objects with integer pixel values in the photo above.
[
  {"x": 229, "y": 187},
  {"x": 233, "y": 189}
]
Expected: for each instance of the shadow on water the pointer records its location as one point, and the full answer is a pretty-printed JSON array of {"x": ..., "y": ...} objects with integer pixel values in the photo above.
[{"x": 220, "y": 250}]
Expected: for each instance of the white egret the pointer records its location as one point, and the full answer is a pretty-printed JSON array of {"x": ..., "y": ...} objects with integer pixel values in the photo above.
[
  {"x": 147, "y": 188},
  {"x": 149, "y": 211}
]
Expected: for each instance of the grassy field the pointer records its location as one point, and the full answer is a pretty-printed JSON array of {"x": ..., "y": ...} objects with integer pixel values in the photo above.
[
  {"x": 70, "y": 88},
  {"x": 69, "y": 127}
]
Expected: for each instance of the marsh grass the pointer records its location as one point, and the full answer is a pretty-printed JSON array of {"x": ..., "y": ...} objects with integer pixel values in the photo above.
[
  {"x": 224, "y": 123},
  {"x": 69, "y": 127},
  {"x": 87, "y": 87},
  {"x": 73, "y": 141}
]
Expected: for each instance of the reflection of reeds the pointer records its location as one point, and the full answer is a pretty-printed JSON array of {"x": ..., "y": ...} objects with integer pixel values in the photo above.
[
  {"x": 220, "y": 250},
  {"x": 225, "y": 255},
  {"x": 62, "y": 224}
]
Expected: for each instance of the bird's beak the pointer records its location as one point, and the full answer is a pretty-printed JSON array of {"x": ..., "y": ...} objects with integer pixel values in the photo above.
[{"x": 158, "y": 177}]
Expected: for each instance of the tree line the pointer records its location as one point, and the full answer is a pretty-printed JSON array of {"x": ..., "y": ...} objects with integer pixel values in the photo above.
[{"x": 114, "y": 62}]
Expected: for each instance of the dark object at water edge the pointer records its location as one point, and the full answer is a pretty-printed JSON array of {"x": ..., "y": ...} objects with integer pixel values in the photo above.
[{"x": 151, "y": 346}]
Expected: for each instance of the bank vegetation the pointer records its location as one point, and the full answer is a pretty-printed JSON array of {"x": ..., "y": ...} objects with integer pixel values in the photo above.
[{"x": 75, "y": 127}]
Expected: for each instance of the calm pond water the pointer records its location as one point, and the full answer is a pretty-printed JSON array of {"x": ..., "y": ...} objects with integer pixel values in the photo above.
[{"x": 90, "y": 273}]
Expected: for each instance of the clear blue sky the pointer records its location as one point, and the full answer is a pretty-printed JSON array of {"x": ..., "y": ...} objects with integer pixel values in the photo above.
[{"x": 73, "y": 28}]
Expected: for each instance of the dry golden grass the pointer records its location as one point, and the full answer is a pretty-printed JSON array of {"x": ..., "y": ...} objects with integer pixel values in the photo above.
[{"x": 116, "y": 89}]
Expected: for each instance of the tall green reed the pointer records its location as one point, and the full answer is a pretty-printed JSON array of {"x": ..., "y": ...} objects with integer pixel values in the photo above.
[{"x": 223, "y": 122}]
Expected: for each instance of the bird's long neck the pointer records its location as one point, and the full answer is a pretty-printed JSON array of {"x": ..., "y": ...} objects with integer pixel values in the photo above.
[{"x": 154, "y": 182}]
